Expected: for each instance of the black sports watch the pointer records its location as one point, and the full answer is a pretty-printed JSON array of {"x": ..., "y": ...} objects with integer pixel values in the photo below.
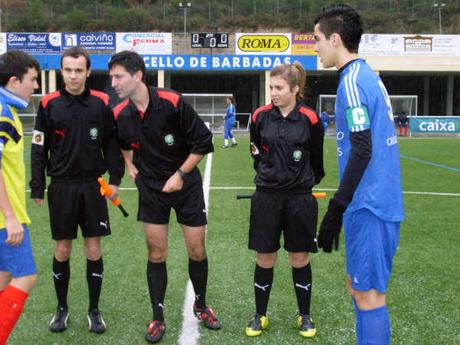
[{"x": 182, "y": 173}]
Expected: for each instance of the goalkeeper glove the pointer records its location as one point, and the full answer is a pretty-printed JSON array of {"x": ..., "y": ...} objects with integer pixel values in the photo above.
[{"x": 330, "y": 226}]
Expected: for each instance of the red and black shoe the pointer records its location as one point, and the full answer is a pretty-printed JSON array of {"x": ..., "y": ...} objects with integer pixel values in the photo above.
[
  {"x": 155, "y": 331},
  {"x": 208, "y": 317}
]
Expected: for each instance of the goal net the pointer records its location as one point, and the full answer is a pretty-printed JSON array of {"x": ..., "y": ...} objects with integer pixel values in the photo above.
[
  {"x": 212, "y": 108},
  {"x": 27, "y": 115},
  {"x": 401, "y": 104}
]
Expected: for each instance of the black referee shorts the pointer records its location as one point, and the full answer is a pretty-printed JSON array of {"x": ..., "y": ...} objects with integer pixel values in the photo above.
[
  {"x": 155, "y": 206},
  {"x": 294, "y": 215},
  {"x": 74, "y": 203}
]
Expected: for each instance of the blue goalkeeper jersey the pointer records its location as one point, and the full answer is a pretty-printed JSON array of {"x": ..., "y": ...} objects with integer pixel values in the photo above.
[
  {"x": 230, "y": 115},
  {"x": 362, "y": 103}
]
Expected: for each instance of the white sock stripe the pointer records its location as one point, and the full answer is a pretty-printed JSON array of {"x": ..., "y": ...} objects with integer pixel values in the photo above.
[
  {"x": 305, "y": 287},
  {"x": 263, "y": 288}
]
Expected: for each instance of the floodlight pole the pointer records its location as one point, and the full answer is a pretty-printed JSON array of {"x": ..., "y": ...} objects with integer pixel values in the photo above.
[
  {"x": 185, "y": 6},
  {"x": 439, "y": 6}
]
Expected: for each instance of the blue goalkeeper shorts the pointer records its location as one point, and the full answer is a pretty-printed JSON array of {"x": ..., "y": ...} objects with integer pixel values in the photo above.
[
  {"x": 370, "y": 244},
  {"x": 228, "y": 129},
  {"x": 17, "y": 260}
]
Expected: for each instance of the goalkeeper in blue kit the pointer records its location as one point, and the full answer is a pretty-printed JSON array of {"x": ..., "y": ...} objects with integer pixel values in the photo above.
[{"x": 369, "y": 198}]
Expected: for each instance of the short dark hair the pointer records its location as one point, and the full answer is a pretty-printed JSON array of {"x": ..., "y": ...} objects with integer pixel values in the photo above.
[
  {"x": 343, "y": 20},
  {"x": 76, "y": 52},
  {"x": 130, "y": 60},
  {"x": 15, "y": 63}
]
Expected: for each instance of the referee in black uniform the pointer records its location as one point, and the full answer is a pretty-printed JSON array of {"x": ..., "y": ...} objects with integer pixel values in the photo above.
[
  {"x": 163, "y": 139},
  {"x": 287, "y": 147},
  {"x": 75, "y": 142}
]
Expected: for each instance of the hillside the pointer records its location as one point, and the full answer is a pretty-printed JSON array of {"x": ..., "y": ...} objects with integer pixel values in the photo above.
[{"x": 380, "y": 16}]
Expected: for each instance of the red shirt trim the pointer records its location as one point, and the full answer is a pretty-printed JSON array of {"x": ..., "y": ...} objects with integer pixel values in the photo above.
[
  {"x": 49, "y": 97},
  {"x": 117, "y": 110},
  {"x": 169, "y": 96},
  {"x": 310, "y": 114},
  {"x": 103, "y": 96},
  {"x": 259, "y": 110}
]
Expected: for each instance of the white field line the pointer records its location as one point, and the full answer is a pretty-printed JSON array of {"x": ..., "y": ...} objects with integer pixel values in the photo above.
[
  {"x": 333, "y": 190},
  {"x": 319, "y": 190},
  {"x": 190, "y": 331}
]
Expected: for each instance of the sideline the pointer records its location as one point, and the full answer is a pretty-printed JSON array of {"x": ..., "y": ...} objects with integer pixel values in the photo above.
[
  {"x": 429, "y": 163},
  {"x": 334, "y": 189},
  {"x": 190, "y": 325}
]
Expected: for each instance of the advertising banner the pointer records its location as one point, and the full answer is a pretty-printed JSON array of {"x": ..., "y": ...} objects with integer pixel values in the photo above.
[
  {"x": 257, "y": 44},
  {"x": 303, "y": 44},
  {"x": 102, "y": 42},
  {"x": 435, "y": 124},
  {"x": 34, "y": 43},
  {"x": 387, "y": 44},
  {"x": 2, "y": 42},
  {"x": 145, "y": 42}
]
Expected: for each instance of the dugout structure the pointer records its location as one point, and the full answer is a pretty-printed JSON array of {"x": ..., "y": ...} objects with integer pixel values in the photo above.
[
  {"x": 401, "y": 104},
  {"x": 212, "y": 108}
]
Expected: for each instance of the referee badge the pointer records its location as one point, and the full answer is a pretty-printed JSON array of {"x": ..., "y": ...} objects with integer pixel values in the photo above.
[
  {"x": 297, "y": 156},
  {"x": 169, "y": 139},
  {"x": 254, "y": 149},
  {"x": 93, "y": 133},
  {"x": 38, "y": 138}
]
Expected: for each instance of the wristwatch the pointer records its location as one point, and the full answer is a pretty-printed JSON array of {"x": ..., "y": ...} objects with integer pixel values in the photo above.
[{"x": 182, "y": 173}]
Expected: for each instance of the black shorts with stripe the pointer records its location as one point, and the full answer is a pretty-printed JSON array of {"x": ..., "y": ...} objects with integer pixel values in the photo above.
[
  {"x": 293, "y": 215},
  {"x": 74, "y": 203}
]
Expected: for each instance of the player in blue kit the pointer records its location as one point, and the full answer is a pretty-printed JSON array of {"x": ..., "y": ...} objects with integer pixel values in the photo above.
[
  {"x": 369, "y": 197},
  {"x": 229, "y": 122}
]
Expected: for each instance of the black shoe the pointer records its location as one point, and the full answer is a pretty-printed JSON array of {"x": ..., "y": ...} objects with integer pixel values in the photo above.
[
  {"x": 155, "y": 331},
  {"x": 96, "y": 323},
  {"x": 59, "y": 321},
  {"x": 234, "y": 144}
]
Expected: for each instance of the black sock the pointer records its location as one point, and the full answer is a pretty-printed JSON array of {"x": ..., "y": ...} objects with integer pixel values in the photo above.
[
  {"x": 94, "y": 276},
  {"x": 198, "y": 273},
  {"x": 157, "y": 279},
  {"x": 263, "y": 280},
  {"x": 302, "y": 280},
  {"x": 61, "y": 277}
]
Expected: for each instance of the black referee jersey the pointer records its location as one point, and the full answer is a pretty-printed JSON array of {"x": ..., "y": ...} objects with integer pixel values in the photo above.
[
  {"x": 164, "y": 136},
  {"x": 287, "y": 151},
  {"x": 74, "y": 138}
]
